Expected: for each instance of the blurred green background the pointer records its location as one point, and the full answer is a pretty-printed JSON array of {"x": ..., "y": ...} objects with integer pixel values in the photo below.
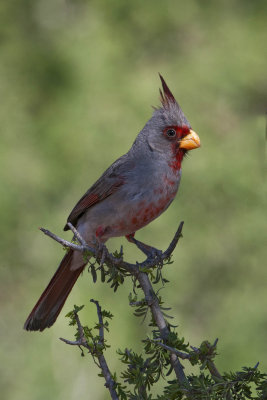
[{"x": 77, "y": 82}]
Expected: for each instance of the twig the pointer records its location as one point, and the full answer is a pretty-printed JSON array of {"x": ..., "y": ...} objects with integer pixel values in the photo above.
[
  {"x": 82, "y": 342},
  {"x": 210, "y": 363},
  {"x": 179, "y": 354},
  {"x": 186, "y": 356},
  {"x": 137, "y": 303},
  {"x": 175, "y": 240},
  {"x": 76, "y": 234},
  {"x": 213, "y": 369},
  {"x": 64, "y": 242},
  {"x": 156, "y": 312},
  {"x": 100, "y": 319},
  {"x": 110, "y": 384}
]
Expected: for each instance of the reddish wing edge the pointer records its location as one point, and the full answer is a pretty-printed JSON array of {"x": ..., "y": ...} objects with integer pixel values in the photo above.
[{"x": 94, "y": 195}]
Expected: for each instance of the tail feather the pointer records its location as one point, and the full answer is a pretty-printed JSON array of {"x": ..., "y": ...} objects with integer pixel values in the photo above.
[{"x": 47, "y": 308}]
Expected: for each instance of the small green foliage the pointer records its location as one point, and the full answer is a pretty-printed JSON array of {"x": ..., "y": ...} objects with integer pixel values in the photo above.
[
  {"x": 141, "y": 372},
  {"x": 247, "y": 384},
  {"x": 87, "y": 255},
  {"x": 144, "y": 370},
  {"x": 115, "y": 275},
  {"x": 116, "y": 278},
  {"x": 141, "y": 306},
  {"x": 107, "y": 314},
  {"x": 121, "y": 389},
  {"x": 94, "y": 342},
  {"x": 118, "y": 254},
  {"x": 72, "y": 314},
  {"x": 155, "y": 272},
  {"x": 177, "y": 343}
]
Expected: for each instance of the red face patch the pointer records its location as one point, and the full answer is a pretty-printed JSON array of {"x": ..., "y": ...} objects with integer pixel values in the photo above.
[{"x": 175, "y": 132}]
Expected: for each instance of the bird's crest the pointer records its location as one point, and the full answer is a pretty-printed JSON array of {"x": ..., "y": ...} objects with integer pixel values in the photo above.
[
  {"x": 170, "y": 110},
  {"x": 166, "y": 96}
]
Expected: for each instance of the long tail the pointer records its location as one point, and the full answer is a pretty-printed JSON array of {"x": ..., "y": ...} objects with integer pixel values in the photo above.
[{"x": 47, "y": 308}]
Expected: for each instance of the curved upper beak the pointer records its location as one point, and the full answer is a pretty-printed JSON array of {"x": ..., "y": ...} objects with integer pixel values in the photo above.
[{"x": 190, "y": 141}]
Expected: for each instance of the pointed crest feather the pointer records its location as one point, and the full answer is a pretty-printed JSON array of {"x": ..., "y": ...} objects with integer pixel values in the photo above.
[
  {"x": 166, "y": 97},
  {"x": 170, "y": 111}
]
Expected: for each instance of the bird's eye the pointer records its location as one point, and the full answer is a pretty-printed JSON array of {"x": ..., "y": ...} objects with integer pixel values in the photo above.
[{"x": 171, "y": 133}]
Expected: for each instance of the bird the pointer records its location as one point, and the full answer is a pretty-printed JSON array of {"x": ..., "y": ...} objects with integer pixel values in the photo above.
[{"x": 137, "y": 188}]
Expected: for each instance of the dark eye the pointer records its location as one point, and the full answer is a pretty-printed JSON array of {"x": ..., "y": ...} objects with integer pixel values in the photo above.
[{"x": 171, "y": 133}]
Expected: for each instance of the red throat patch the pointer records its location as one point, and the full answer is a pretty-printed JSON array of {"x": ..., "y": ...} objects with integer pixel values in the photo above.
[
  {"x": 178, "y": 154},
  {"x": 176, "y": 162}
]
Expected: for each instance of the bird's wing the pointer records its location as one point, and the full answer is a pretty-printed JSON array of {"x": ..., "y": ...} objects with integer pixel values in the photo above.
[{"x": 108, "y": 183}]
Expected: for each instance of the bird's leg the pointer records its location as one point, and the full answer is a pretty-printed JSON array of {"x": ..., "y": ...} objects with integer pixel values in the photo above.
[{"x": 149, "y": 251}]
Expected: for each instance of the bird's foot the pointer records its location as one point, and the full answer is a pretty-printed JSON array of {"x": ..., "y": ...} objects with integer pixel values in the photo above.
[{"x": 151, "y": 252}]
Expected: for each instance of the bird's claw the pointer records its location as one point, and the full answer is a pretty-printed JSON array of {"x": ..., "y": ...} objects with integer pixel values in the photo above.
[
  {"x": 151, "y": 252},
  {"x": 155, "y": 254}
]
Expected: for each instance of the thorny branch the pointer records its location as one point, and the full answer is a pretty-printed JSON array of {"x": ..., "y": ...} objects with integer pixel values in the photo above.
[
  {"x": 137, "y": 271},
  {"x": 82, "y": 342},
  {"x": 187, "y": 356}
]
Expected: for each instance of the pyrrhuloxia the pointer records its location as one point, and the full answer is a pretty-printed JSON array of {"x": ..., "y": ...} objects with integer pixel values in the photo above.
[{"x": 132, "y": 192}]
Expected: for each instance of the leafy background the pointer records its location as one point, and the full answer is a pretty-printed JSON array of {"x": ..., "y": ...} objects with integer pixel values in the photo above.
[{"x": 77, "y": 82}]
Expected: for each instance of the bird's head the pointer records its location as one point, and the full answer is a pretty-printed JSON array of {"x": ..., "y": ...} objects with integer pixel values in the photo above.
[{"x": 168, "y": 131}]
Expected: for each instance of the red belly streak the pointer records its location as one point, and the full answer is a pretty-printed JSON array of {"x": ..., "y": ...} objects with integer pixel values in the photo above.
[
  {"x": 152, "y": 210},
  {"x": 99, "y": 231},
  {"x": 143, "y": 214}
]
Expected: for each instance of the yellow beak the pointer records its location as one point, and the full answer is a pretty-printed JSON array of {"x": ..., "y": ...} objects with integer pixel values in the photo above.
[{"x": 190, "y": 141}]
